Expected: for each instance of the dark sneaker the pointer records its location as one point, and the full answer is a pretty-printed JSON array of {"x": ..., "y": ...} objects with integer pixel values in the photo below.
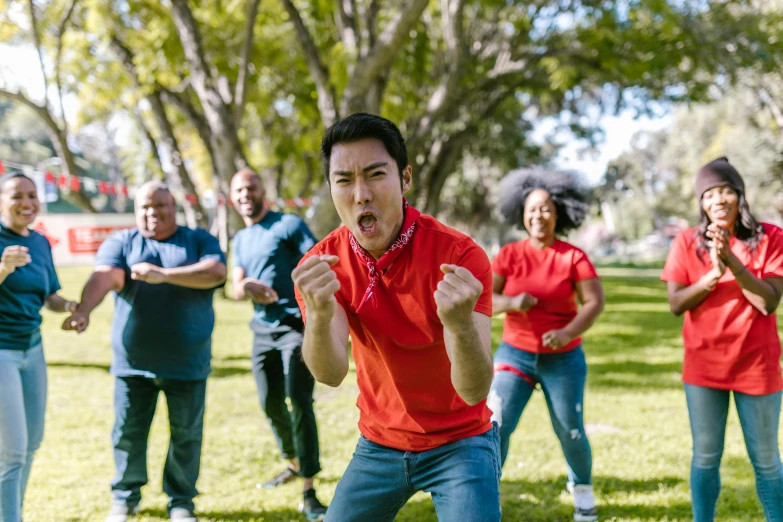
[
  {"x": 283, "y": 478},
  {"x": 182, "y": 515},
  {"x": 312, "y": 507},
  {"x": 121, "y": 513}
]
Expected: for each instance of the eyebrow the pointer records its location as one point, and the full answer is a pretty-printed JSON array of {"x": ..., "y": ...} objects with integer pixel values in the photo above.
[{"x": 368, "y": 168}]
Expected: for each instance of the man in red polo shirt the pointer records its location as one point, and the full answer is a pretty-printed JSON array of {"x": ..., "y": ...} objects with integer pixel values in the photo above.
[{"x": 416, "y": 298}]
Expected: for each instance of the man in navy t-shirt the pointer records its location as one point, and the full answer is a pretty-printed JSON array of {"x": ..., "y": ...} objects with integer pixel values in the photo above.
[
  {"x": 265, "y": 254},
  {"x": 164, "y": 277}
]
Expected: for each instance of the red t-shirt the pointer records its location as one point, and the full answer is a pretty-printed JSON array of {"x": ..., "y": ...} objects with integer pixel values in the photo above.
[
  {"x": 406, "y": 399},
  {"x": 729, "y": 344},
  {"x": 550, "y": 275}
]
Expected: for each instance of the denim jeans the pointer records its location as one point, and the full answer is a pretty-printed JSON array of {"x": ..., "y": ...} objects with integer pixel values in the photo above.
[
  {"x": 135, "y": 399},
  {"x": 759, "y": 417},
  {"x": 22, "y": 408},
  {"x": 280, "y": 374},
  {"x": 562, "y": 378},
  {"x": 462, "y": 476}
]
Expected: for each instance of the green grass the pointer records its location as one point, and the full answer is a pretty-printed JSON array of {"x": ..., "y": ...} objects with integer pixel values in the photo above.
[{"x": 635, "y": 410}]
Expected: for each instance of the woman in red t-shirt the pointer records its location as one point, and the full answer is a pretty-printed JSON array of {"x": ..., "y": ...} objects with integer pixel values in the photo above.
[
  {"x": 537, "y": 282},
  {"x": 730, "y": 335}
]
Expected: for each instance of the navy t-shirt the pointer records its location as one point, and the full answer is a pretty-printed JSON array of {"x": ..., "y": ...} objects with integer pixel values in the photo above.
[
  {"x": 161, "y": 330},
  {"x": 23, "y": 292},
  {"x": 269, "y": 251}
]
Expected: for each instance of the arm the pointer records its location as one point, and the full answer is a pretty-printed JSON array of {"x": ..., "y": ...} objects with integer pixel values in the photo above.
[
  {"x": 591, "y": 295},
  {"x": 249, "y": 288},
  {"x": 504, "y": 303},
  {"x": 205, "y": 274},
  {"x": 763, "y": 294},
  {"x": 102, "y": 281},
  {"x": 469, "y": 349},
  {"x": 325, "y": 346},
  {"x": 55, "y": 303}
]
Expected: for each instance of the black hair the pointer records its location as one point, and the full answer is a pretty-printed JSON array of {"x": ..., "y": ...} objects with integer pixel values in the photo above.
[
  {"x": 11, "y": 175},
  {"x": 747, "y": 229},
  {"x": 564, "y": 188},
  {"x": 361, "y": 126}
]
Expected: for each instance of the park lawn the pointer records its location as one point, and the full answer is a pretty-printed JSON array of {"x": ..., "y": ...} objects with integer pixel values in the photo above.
[{"x": 635, "y": 411}]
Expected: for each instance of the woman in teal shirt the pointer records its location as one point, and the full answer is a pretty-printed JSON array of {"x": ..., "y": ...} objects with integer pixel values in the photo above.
[{"x": 28, "y": 282}]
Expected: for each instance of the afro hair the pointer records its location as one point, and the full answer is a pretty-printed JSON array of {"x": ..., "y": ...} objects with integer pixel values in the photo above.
[{"x": 565, "y": 188}]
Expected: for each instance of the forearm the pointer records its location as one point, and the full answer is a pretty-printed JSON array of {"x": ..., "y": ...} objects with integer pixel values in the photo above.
[
  {"x": 3, "y": 275},
  {"x": 323, "y": 353},
  {"x": 471, "y": 362},
  {"x": 761, "y": 294},
  {"x": 689, "y": 297},
  {"x": 202, "y": 275},
  {"x": 58, "y": 304},
  {"x": 94, "y": 292},
  {"x": 584, "y": 319},
  {"x": 502, "y": 303}
]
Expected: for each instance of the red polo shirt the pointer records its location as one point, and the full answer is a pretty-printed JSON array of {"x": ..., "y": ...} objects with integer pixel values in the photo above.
[
  {"x": 729, "y": 344},
  {"x": 550, "y": 275},
  {"x": 406, "y": 399}
]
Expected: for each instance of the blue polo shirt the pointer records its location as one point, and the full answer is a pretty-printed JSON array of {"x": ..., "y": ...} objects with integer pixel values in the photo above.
[
  {"x": 161, "y": 330},
  {"x": 24, "y": 291},
  {"x": 269, "y": 251}
]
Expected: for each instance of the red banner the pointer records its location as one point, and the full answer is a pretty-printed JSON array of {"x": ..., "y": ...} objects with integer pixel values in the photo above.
[{"x": 86, "y": 240}]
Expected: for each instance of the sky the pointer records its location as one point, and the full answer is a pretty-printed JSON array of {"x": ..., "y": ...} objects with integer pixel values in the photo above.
[{"x": 19, "y": 67}]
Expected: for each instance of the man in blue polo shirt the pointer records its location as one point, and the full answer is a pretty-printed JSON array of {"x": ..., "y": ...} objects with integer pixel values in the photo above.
[
  {"x": 265, "y": 253},
  {"x": 164, "y": 277}
]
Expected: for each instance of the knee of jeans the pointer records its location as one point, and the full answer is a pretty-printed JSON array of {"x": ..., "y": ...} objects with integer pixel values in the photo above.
[
  {"x": 766, "y": 463},
  {"x": 495, "y": 404},
  {"x": 704, "y": 460},
  {"x": 12, "y": 459}
]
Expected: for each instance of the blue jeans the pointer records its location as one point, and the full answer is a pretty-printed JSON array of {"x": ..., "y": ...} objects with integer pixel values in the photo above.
[
  {"x": 135, "y": 399},
  {"x": 759, "y": 417},
  {"x": 22, "y": 408},
  {"x": 462, "y": 476},
  {"x": 562, "y": 378}
]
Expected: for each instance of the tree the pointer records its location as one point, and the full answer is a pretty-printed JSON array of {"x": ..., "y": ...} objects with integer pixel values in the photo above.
[{"x": 55, "y": 22}]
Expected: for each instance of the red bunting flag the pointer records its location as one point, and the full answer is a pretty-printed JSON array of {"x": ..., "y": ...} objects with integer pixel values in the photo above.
[
  {"x": 124, "y": 190},
  {"x": 49, "y": 177},
  {"x": 76, "y": 184},
  {"x": 102, "y": 188},
  {"x": 62, "y": 181},
  {"x": 191, "y": 198},
  {"x": 111, "y": 189},
  {"x": 2, "y": 168}
]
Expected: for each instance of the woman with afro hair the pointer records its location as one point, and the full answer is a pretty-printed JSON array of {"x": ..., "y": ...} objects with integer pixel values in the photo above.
[{"x": 538, "y": 282}]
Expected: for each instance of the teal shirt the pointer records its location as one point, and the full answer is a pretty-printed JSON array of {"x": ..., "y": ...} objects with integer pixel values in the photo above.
[
  {"x": 23, "y": 293},
  {"x": 269, "y": 251}
]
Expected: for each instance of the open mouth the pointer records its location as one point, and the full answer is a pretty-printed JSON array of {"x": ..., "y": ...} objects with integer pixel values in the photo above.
[
  {"x": 27, "y": 214},
  {"x": 368, "y": 223},
  {"x": 721, "y": 213}
]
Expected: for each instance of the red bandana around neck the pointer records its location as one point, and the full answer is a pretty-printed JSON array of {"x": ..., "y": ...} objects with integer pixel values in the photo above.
[{"x": 376, "y": 268}]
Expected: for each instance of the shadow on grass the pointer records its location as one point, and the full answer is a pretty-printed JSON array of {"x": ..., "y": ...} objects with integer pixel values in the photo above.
[
  {"x": 635, "y": 375},
  {"x": 221, "y": 372},
  {"x": 274, "y": 515},
  {"x": 81, "y": 366},
  {"x": 545, "y": 501}
]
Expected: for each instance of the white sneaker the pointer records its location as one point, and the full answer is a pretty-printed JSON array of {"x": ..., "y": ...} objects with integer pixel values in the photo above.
[
  {"x": 121, "y": 513},
  {"x": 584, "y": 503}
]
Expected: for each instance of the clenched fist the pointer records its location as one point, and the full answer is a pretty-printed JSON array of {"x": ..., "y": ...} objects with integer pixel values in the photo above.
[
  {"x": 317, "y": 283},
  {"x": 148, "y": 273},
  {"x": 13, "y": 257},
  {"x": 456, "y": 296}
]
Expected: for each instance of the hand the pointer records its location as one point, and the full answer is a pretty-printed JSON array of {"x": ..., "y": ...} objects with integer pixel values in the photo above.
[
  {"x": 148, "y": 273},
  {"x": 556, "y": 339},
  {"x": 13, "y": 257},
  {"x": 523, "y": 302},
  {"x": 318, "y": 283},
  {"x": 720, "y": 241},
  {"x": 711, "y": 278},
  {"x": 77, "y": 321},
  {"x": 259, "y": 292},
  {"x": 456, "y": 296}
]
